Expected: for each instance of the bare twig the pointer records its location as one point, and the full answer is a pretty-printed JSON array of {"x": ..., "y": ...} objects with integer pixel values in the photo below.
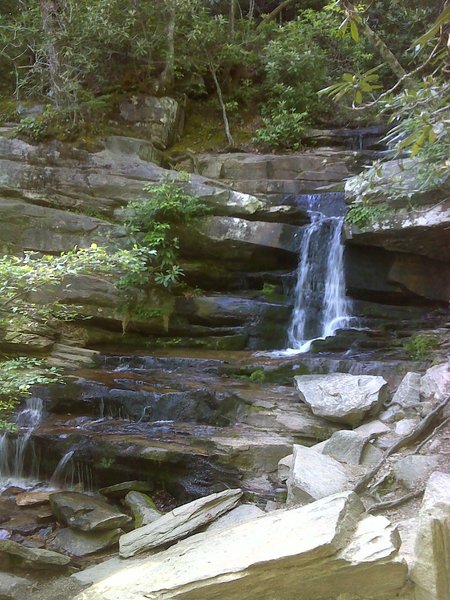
[
  {"x": 416, "y": 433},
  {"x": 393, "y": 503}
]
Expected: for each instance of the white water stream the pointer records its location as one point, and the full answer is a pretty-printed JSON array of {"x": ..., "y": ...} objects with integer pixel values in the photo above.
[
  {"x": 320, "y": 304},
  {"x": 19, "y": 463}
]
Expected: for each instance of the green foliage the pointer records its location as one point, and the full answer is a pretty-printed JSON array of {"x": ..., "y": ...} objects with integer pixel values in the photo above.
[
  {"x": 258, "y": 376},
  {"x": 355, "y": 85},
  {"x": 17, "y": 375},
  {"x": 362, "y": 214},
  {"x": 150, "y": 221},
  {"x": 282, "y": 128},
  {"x": 419, "y": 347}
]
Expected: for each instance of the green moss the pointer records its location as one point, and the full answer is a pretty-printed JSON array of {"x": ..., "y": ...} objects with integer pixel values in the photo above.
[{"x": 419, "y": 347}]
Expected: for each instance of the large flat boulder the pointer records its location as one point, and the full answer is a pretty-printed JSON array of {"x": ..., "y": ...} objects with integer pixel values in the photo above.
[
  {"x": 431, "y": 568},
  {"x": 342, "y": 397},
  {"x": 323, "y": 550},
  {"x": 313, "y": 476},
  {"x": 87, "y": 513},
  {"x": 178, "y": 523}
]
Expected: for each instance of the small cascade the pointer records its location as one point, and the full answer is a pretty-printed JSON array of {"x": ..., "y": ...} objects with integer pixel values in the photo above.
[
  {"x": 61, "y": 472},
  {"x": 18, "y": 458},
  {"x": 320, "y": 304}
]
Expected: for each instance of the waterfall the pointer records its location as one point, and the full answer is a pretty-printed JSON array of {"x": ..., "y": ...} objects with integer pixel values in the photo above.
[
  {"x": 60, "y": 472},
  {"x": 18, "y": 458},
  {"x": 320, "y": 304}
]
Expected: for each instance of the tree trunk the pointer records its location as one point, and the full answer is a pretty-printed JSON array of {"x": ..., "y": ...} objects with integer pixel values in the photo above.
[
  {"x": 226, "y": 123},
  {"x": 50, "y": 11},
  {"x": 274, "y": 14},
  {"x": 378, "y": 44},
  {"x": 168, "y": 75}
]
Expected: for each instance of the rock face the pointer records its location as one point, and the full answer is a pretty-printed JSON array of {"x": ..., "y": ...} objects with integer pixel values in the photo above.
[
  {"x": 314, "y": 476},
  {"x": 342, "y": 397},
  {"x": 431, "y": 570},
  {"x": 277, "y": 175},
  {"x": 86, "y": 512},
  {"x": 178, "y": 523},
  {"x": 323, "y": 550}
]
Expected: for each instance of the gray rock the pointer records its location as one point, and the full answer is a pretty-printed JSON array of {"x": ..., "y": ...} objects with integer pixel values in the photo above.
[
  {"x": 408, "y": 392},
  {"x": 371, "y": 455},
  {"x": 87, "y": 513},
  {"x": 143, "y": 508},
  {"x": 314, "y": 476},
  {"x": 80, "y": 543},
  {"x": 392, "y": 414},
  {"x": 284, "y": 467},
  {"x": 13, "y": 587},
  {"x": 435, "y": 384},
  {"x": 405, "y": 426},
  {"x": 372, "y": 428},
  {"x": 240, "y": 514},
  {"x": 323, "y": 550},
  {"x": 431, "y": 568},
  {"x": 415, "y": 469},
  {"x": 179, "y": 523},
  {"x": 36, "y": 558},
  {"x": 120, "y": 490},
  {"x": 342, "y": 397},
  {"x": 233, "y": 230},
  {"x": 162, "y": 117},
  {"x": 346, "y": 446}
]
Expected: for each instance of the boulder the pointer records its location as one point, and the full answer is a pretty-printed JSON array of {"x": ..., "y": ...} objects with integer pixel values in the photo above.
[
  {"x": 13, "y": 587},
  {"x": 32, "y": 498},
  {"x": 87, "y": 513},
  {"x": 431, "y": 568},
  {"x": 346, "y": 446},
  {"x": 162, "y": 117},
  {"x": 435, "y": 384},
  {"x": 80, "y": 543},
  {"x": 36, "y": 558},
  {"x": 240, "y": 514},
  {"x": 178, "y": 523},
  {"x": 412, "y": 471},
  {"x": 323, "y": 550},
  {"x": 408, "y": 392},
  {"x": 342, "y": 397},
  {"x": 120, "y": 490},
  {"x": 314, "y": 476},
  {"x": 143, "y": 508}
]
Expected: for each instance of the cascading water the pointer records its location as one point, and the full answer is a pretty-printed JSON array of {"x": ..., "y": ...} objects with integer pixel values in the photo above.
[
  {"x": 320, "y": 304},
  {"x": 18, "y": 451}
]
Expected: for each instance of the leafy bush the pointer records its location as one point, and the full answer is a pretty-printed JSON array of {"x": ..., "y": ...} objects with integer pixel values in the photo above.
[
  {"x": 150, "y": 221},
  {"x": 282, "y": 128},
  {"x": 419, "y": 347},
  {"x": 17, "y": 375},
  {"x": 361, "y": 214}
]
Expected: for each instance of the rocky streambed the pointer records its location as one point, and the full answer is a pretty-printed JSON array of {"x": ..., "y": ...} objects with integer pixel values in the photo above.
[{"x": 119, "y": 447}]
